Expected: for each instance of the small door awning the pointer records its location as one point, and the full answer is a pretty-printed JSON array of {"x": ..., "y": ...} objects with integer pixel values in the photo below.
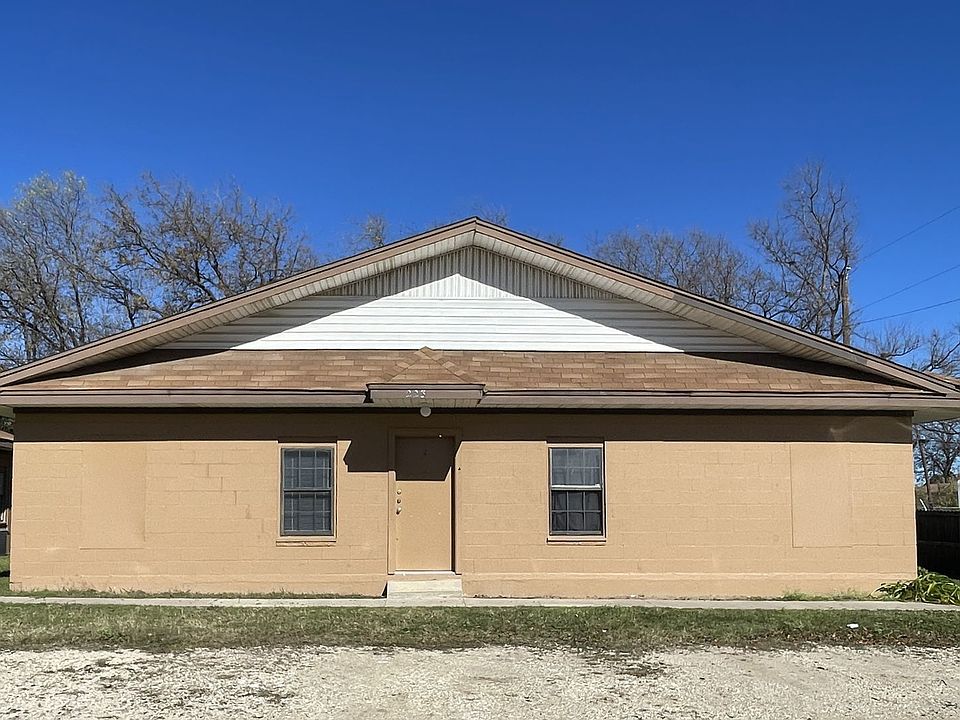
[{"x": 410, "y": 395}]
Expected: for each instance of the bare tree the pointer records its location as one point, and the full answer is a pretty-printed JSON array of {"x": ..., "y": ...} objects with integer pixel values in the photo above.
[
  {"x": 898, "y": 342},
  {"x": 49, "y": 254},
  {"x": 497, "y": 214},
  {"x": 178, "y": 248},
  {"x": 805, "y": 255},
  {"x": 809, "y": 249},
  {"x": 370, "y": 233},
  {"x": 936, "y": 352},
  {"x": 697, "y": 261},
  {"x": 74, "y": 267},
  {"x": 936, "y": 456},
  {"x": 936, "y": 444}
]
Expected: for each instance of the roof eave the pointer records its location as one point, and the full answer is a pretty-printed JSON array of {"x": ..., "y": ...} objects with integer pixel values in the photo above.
[
  {"x": 925, "y": 406},
  {"x": 31, "y": 399}
]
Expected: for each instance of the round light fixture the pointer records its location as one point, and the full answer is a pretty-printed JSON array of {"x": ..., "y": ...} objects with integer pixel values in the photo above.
[{"x": 425, "y": 411}]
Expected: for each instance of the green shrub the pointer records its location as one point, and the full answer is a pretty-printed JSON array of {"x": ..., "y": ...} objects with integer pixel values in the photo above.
[{"x": 929, "y": 587}]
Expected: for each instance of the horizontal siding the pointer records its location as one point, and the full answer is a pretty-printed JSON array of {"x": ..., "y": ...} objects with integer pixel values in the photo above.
[
  {"x": 458, "y": 313},
  {"x": 494, "y": 270}
]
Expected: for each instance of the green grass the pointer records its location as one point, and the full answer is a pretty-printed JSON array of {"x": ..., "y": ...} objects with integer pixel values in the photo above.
[
  {"x": 845, "y": 595},
  {"x": 606, "y": 628},
  {"x": 5, "y": 590},
  {"x": 602, "y": 629}
]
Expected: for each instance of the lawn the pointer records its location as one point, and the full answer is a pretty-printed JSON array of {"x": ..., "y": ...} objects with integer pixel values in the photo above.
[
  {"x": 600, "y": 628},
  {"x": 604, "y": 629}
]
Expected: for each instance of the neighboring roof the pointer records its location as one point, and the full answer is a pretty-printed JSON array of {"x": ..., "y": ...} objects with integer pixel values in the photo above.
[
  {"x": 6, "y": 440},
  {"x": 474, "y": 232}
]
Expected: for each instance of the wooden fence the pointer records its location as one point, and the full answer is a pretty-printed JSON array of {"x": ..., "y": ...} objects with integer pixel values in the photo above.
[{"x": 938, "y": 541}]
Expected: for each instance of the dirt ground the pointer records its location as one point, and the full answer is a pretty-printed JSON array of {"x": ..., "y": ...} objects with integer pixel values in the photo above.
[{"x": 502, "y": 683}]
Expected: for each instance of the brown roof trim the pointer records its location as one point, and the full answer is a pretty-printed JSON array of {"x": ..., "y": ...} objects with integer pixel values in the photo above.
[
  {"x": 184, "y": 398},
  {"x": 255, "y": 300},
  {"x": 498, "y": 399},
  {"x": 724, "y": 401}
]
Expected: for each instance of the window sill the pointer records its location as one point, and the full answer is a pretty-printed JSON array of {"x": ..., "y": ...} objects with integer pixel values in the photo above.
[
  {"x": 576, "y": 540},
  {"x": 306, "y": 541}
]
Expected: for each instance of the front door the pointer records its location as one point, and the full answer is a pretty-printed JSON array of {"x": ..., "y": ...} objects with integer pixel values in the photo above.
[{"x": 423, "y": 503}]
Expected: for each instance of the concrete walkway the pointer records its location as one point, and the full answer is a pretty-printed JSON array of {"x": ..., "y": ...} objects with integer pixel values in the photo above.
[{"x": 427, "y": 601}]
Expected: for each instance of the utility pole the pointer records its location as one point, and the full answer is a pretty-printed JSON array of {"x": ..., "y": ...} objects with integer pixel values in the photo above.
[
  {"x": 918, "y": 439},
  {"x": 845, "y": 320}
]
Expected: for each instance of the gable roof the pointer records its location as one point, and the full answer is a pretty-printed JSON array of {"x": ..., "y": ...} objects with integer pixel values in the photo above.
[{"x": 474, "y": 232}]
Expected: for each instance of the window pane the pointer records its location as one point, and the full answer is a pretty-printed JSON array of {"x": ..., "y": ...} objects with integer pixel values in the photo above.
[
  {"x": 574, "y": 500},
  {"x": 575, "y": 522},
  {"x": 592, "y": 500},
  {"x": 592, "y": 476},
  {"x": 307, "y": 468},
  {"x": 558, "y": 522},
  {"x": 558, "y": 465},
  {"x": 592, "y": 457},
  {"x": 592, "y": 522},
  {"x": 558, "y": 500},
  {"x": 576, "y": 466},
  {"x": 307, "y": 513}
]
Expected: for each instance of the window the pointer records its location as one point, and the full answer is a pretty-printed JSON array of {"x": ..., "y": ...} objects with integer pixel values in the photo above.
[
  {"x": 576, "y": 490},
  {"x": 307, "y": 487},
  {"x": 4, "y": 496}
]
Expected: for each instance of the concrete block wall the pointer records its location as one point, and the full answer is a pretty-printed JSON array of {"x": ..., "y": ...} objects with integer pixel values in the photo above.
[{"x": 696, "y": 505}]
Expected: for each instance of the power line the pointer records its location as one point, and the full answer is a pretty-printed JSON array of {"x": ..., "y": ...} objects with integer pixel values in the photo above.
[
  {"x": 915, "y": 310},
  {"x": 911, "y": 287},
  {"x": 909, "y": 233}
]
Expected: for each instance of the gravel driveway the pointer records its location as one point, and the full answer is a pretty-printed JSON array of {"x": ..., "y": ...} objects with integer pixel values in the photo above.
[{"x": 502, "y": 683}]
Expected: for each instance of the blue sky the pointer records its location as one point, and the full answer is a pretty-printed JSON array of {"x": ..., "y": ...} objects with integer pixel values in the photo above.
[{"x": 577, "y": 118}]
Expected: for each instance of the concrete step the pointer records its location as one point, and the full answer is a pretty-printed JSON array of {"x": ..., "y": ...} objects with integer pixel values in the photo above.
[{"x": 434, "y": 585}]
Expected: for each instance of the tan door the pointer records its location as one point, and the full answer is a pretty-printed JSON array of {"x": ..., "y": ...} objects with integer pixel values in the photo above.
[{"x": 423, "y": 530}]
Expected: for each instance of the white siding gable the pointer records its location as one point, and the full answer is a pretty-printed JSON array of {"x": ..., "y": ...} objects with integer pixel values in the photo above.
[{"x": 460, "y": 313}]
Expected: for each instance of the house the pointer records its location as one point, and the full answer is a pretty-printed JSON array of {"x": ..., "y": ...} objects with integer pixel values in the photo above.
[
  {"x": 474, "y": 404},
  {"x": 6, "y": 464}
]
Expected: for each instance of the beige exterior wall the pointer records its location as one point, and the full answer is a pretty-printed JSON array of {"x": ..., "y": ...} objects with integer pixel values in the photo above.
[{"x": 697, "y": 505}]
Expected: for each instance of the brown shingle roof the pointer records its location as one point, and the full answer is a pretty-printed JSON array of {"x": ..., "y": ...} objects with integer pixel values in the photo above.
[{"x": 497, "y": 370}]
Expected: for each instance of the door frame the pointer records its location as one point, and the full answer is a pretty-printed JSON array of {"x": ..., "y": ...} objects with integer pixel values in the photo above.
[{"x": 394, "y": 435}]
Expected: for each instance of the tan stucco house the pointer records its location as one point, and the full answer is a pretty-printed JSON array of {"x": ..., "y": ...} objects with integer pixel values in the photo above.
[{"x": 475, "y": 405}]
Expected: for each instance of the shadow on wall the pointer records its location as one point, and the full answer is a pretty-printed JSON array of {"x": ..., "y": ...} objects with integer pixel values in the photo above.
[{"x": 369, "y": 430}]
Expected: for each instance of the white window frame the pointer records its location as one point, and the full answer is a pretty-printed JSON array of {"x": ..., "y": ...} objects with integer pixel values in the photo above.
[
  {"x": 602, "y": 488},
  {"x": 300, "y": 537}
]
